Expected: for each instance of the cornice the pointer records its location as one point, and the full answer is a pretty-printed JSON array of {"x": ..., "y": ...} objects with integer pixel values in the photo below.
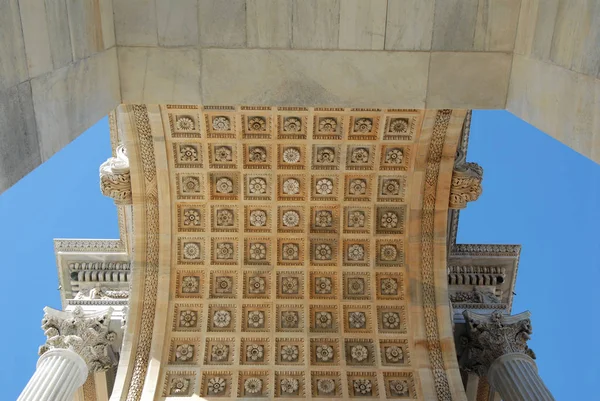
[{"x": 88, "y": 245}]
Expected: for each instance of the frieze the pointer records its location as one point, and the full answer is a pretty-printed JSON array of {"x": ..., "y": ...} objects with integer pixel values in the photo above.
[
  {"x": 476, "y": 295},
  {"x": 101, "y": 293}
]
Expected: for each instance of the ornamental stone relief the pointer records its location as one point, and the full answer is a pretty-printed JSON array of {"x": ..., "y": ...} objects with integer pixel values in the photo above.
[
  {"x": 115, "y": 179},
  {"x": 290, "y": 251},
  {"x": 87, "y": 335},
  {"x": 219, "y": 351},
  {"x": 290, "y": 384},
  {"x": 179, "y": 384}
]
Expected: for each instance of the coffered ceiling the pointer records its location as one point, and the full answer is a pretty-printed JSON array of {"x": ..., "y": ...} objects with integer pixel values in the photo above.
[{"x": 295, "y": 247}]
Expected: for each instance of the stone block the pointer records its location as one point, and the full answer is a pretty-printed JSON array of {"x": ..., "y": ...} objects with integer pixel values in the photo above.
[
  {"x": 454, "y": 24},
  {"x": 544, "y": 28},
  {"x": 326, "y": 78},
  {"x": 35, "y": 34},
  {"x": 468, "y": 80},
  {"x": 86, "y": 27},
  {"x": 409, "y": 25},
  {"x": 496, "y": 25},
  {"x": 71, "y": 99},
  {"x": 482, "y": 25},
  {"x": 58, "y": 32},
  {"x": 526, "y": 26},
  {"x": 564, "y": 32},
  {"x": 135, "y": 23},
  {"x": 560, "y": 102},
  {"x": 177, "y": 24},
  {"x": 586, "y": 57},
  {"x": 108, "y": 23},
  {"x": 222, "y": 23},
  {"x": 269, "y": 23},
  {"x": 13, "y": 62},
  {"x": 19, "y": 153},
  {"x": 159, "y": 75},
  {"x": 576, "y": 37},
  {"x": 362, "y": 24},
  {"x": 316, "y": 24}
]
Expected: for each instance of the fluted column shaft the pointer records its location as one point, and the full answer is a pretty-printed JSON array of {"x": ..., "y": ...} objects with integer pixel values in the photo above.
[
  {"x": 59, "y": 373},
  {"x": 515, "y": 377}
]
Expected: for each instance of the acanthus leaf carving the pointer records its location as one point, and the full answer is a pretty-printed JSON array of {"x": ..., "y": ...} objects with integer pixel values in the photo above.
[
  {"x": 491, "y": 336},
  {"x": 87, "y": 335},
  {"x": 115, "y": 178},
  {"x": 466, "y": 182}
]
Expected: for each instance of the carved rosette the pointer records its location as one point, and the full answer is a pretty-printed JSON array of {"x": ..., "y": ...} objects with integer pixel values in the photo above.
[
  {"x": 87, "y": 335},
  {"x": 115, "y": 179},
  {"x": 491, "y": 336},
  {"x": 466, "y": 182}
]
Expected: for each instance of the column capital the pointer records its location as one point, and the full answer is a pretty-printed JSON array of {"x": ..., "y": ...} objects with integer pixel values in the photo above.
[
  {"x": 87, "y": 335},
  {"x": 466, "y": 182},
  {"x": 115, "y": 179},
  {"x": 492, "y": 336}
]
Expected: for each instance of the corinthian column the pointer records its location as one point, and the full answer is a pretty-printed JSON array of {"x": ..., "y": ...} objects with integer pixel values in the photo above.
[
  {"x": 76, "y": 344},
  {"x": 497, "y": 349}
]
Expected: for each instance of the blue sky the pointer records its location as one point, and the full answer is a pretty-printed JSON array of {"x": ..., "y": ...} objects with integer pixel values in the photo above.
[{"x": 537, "y": 192}]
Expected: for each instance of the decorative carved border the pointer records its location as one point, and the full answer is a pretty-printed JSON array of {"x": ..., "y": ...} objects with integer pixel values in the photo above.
[
  {"x": 442, "y": 387},
  {"x": 88, "y": 245},
  {"x": 485, "y": 250},
  {"x": 150, "y": 186}
]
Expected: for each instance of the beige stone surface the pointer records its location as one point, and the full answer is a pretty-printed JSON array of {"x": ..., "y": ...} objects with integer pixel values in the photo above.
[
  {"x": 159, "y": 75},
  {"x": 467, "y": 25},
  {"x": 108, "y": 23},
  {"x": 222, "y": 24},
  {"x": 13, "y": 63},
  {"x": 261, "y": 32},
  {"x": 36, "y": 37},
  {"x": 85, "y": 25},
  {"x": 360, "y": 79},
  {"x": 496, "y": 25},
  {"x": 454, "y": 24},
  {"x": 562, "y": 103},
  {"x": 177, "y": 26},
  {"x": 136, "y": 23},
  {"x": 362, "y": 24},
  {"x": 401, "y": 31},
  {"x": 468, "y": 80},
  {"x": 472, "y": 42},
  {"x": 19, "y": 153},
  {"x": 561, "y": 32},
  {"x": 316, "y": 24},
  {"x": 554, "y": 80},
  {"x": 58, "y": 32},
  {"x": 71, "y": 99}
]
